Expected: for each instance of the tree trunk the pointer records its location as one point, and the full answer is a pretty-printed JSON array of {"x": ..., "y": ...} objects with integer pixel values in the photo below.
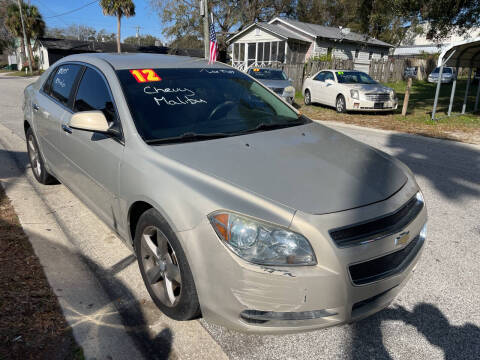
[
  {"x": 23, "y": 56},
  {"x": 30, "y": 52},
  {"x": 119, "y": 16}
]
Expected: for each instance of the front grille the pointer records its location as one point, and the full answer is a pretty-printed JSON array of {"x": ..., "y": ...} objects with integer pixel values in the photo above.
[
  {"x": 387, "y": 225},
  {"x": 378, "y": 97},
  {"x": 385, "y": 266},
  {"x": 278, "y": 91}
]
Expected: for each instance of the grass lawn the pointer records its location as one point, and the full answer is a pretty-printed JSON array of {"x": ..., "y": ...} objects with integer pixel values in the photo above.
[{"x": 418, "y": 120}]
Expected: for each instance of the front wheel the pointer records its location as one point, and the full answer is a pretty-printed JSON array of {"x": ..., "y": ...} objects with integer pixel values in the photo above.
[
  {"x": 164, "y": 268},
  {"x": 307, "y": 99},
  {"x": 341, "y": 105},
  {"x": 36, "y": 160}
]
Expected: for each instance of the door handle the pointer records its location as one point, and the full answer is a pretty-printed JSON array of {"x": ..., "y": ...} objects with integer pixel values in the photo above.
[
  {"x": 66, "y": 128},
  {"x": 35, "y": 107}
]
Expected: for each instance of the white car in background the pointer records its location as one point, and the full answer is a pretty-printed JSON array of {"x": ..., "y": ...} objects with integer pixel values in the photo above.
[
  {"x": 448, "y": 75},
  {"x": 348, "y": 90}
]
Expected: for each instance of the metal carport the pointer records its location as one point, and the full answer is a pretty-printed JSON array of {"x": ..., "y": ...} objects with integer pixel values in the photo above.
[{"x": 464, "y": 54}]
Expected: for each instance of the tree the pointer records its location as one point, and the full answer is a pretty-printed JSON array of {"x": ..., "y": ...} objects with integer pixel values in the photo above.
[
  {"x": 103, "y": 36},
  {"x": 142, "y": 40},
  {"x": 187, "y": 42},
  {"x": 7, "y": 41},
  {"x": 118, "y": 8},
  {"x": 34, "y": 24},
  {"x": 180, "y": 18}
]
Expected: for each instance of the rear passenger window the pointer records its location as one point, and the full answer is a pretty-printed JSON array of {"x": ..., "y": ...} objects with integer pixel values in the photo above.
[
  {"x": 93, "y": 94},
  {"x": 63, "y": 82}
]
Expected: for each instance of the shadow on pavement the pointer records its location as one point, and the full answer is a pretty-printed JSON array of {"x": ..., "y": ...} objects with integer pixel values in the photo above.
[
  {"x": 456, "y": 342},
  {"x": 99, "y": 317},
  {"x": 451, "y": 167}
]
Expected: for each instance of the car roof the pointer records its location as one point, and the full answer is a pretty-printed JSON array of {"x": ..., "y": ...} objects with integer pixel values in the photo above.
[{"x": 145, "y": 60}]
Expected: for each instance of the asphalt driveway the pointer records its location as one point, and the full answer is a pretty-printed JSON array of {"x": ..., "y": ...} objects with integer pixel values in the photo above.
[{"x": 436, "y": 316}]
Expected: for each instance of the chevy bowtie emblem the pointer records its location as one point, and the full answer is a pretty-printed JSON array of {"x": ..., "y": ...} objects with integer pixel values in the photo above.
[{"x": 402, "y": 239}]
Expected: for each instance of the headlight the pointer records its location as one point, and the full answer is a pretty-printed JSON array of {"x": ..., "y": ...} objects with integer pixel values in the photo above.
[
  {"x": 419, "y": 197},
  {"x": 289, "y": 90},
  {"x": 354, "y": 94},
  {"x": 393, "y": 94},
  {"x": 261, "y": 243}
]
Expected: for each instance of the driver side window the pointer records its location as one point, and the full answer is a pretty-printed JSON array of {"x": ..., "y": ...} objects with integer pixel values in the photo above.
[
  {"x": 320, "y": 76},
  {"x": 93, "y": 94}
]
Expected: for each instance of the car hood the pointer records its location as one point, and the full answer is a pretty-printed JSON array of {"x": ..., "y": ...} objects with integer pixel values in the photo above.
[
  {"x": 367, "y": 88},
  {"x": 310, "y": 168},
  {"x": 276, "y": 83}
]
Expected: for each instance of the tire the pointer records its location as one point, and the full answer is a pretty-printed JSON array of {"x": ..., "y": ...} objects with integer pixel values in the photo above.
[
  {"x": 36, "y": 160},
  {"x": 307, "y": 99},
  {"x": 340, "y": 104},
  {"x": 164, "y": 268}
]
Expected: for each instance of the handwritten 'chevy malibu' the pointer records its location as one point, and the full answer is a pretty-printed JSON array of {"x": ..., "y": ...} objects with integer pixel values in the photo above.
[{"x": 238, "y": 208}]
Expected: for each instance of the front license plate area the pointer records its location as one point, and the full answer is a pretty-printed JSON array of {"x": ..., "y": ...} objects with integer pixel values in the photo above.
[{"x": 378, "y": 105}]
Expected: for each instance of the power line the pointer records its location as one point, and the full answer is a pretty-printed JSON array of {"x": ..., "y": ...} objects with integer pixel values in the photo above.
[{"x": 71, "y": 11}]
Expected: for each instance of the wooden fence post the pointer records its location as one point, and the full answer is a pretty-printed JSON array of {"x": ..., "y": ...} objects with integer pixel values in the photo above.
[{"x": 407, "y": 96}]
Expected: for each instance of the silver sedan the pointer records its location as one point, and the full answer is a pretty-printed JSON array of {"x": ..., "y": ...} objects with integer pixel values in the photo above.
[{"x": 238, "y": 208}]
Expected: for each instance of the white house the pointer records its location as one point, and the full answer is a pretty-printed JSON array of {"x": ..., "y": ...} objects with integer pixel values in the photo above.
[{"x": 292, "y": 42}]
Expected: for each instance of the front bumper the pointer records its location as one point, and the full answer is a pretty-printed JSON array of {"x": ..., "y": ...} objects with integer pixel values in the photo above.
[
  {"x": 268, "y": 299},
  {"x": 435, "y": 80},
  {"x": 366, "y": 105}
]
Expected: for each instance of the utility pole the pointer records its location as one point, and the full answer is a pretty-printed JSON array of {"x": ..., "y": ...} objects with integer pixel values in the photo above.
[
  {"x": 137, "y": 35},
  {"x": 206, "y": 33},
  {"x": 25, "y": 37}
]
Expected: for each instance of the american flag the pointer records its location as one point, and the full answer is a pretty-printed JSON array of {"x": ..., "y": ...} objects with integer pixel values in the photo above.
[{"x": 213, "y": 45}]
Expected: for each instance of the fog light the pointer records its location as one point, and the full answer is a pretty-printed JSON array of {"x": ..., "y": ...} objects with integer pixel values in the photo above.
[{"x": 356, "y": 105}]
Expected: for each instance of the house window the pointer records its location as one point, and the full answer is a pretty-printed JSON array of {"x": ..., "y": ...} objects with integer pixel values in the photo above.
[
  {"x": 266, "y": 52},
  {"x": 274, "y": 51},
  {"x": 235, "y": 51},
  {"x": 356, "y": 53},
  {"x": 370, "y": 54},
  {"x": 260, "y": 52},
  {"x": 281, "y": 51},
  {"x": 242, "y": 52},
  {"x": 251, "y": 53}
]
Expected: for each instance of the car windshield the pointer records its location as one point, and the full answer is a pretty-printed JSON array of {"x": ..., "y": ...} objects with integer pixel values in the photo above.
[
  {"x": 193, "y": 104},
  {"x": 445, "y": 70},
  {"x": 267, "y": 74},
  {"x": 354, "y": 77}
]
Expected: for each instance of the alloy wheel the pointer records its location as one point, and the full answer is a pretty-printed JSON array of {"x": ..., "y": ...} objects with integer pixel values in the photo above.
[
  {"x": 34, "y": 156},
  {"x": 161, "y": 266},
  {"x": 340, "y": 104}
]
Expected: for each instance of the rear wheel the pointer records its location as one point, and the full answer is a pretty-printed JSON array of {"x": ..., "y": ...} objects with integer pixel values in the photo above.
[
  {"x": 307, "y": 99},
  {"x": 164, "y": 268},
  {"x": 36, "y": 161},
  {"x": 340, "y": 105}
]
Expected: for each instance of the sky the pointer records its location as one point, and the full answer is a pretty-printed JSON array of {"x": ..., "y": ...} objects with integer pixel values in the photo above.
[{"x": 92, "y": 15}]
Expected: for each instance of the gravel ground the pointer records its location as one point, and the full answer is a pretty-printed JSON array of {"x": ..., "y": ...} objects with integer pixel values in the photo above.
[{"x": 437, "y": 315}]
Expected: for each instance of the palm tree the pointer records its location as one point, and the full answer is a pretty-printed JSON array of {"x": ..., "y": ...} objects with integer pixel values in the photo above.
[
  {"x": 118, "y": 8},
  {"x": 34, "y": 24}
]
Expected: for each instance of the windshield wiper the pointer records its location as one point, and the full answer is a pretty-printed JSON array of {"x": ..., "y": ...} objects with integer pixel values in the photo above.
[
  {"x": 187, "y": 137},
  {"x": 273, "y": 126}
]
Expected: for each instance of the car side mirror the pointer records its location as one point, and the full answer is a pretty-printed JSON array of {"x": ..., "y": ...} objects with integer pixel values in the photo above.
[
  {"x": 90, "y": 121},
  {"x": 329, "y": 82}
]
